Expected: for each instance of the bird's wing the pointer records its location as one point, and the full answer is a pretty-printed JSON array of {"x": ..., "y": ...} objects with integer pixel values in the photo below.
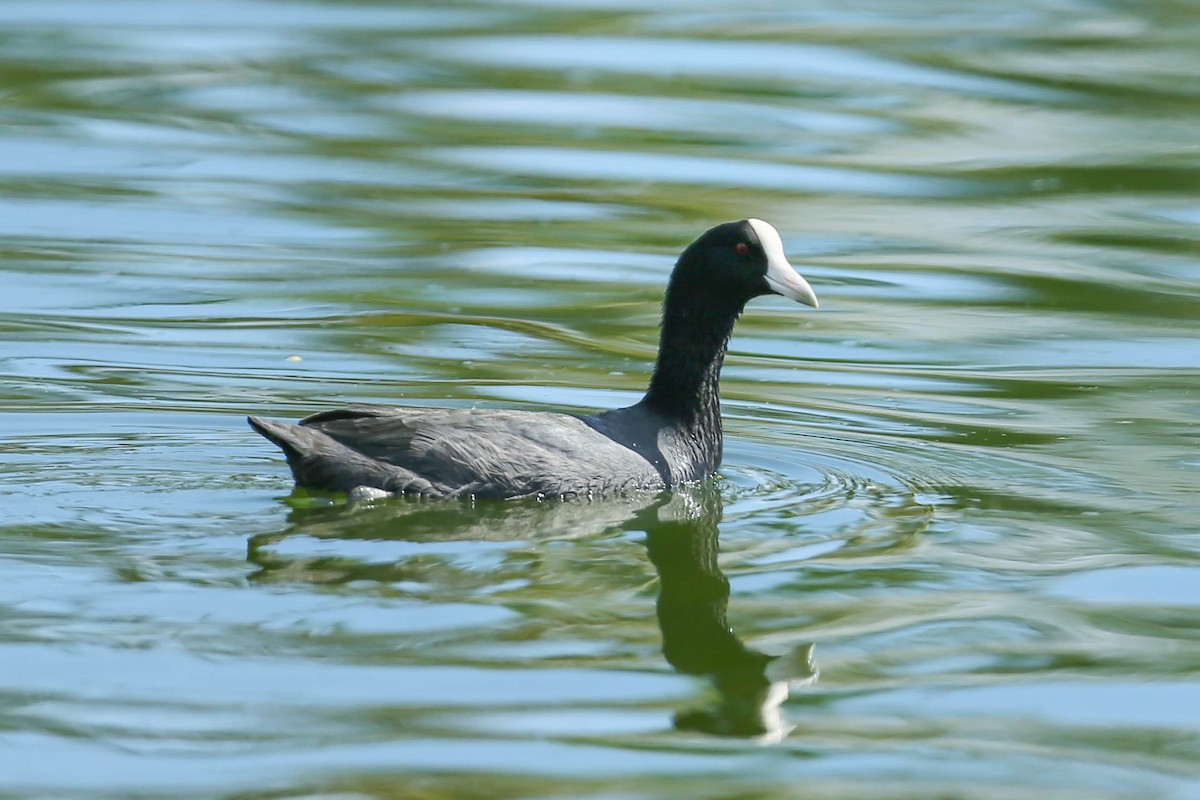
[{"x": 488, "y": 452}]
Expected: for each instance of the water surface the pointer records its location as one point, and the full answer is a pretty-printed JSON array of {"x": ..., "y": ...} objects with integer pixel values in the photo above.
[{"x": 952, "y": 550}]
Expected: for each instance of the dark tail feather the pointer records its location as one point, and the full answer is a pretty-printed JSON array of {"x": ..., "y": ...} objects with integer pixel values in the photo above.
[
  {"x": 277, "y": 432},
  {"x": 319, "y": 461}
]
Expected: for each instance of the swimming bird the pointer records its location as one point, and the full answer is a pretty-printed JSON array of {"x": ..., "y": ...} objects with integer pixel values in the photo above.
[{"x": 673, "y": 435}]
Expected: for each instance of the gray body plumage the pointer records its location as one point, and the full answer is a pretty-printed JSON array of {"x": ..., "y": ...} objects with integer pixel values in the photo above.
[{"x": 483, "y": 452}]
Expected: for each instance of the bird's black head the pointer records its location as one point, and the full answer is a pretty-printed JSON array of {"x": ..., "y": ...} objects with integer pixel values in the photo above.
[
  {"x": 712, "y": 281},
  {"x": 737, "y": 261}
]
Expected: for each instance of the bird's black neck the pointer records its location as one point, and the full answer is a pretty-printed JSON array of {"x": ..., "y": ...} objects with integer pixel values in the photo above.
[{"x": 687, "y": 374}]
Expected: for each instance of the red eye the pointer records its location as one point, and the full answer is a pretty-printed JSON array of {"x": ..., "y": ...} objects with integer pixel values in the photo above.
[{"x": 742, "y": 248}]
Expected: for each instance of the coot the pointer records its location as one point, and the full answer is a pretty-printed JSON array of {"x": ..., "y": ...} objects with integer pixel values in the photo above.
[{"x": 672, "y": 435}]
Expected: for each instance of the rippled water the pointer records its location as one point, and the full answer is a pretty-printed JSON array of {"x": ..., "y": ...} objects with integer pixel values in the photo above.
[{"x": 955, "y": 532}]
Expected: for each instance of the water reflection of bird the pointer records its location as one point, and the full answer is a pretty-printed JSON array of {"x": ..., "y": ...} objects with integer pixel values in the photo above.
[
  {"x": 681, "y": 539},
  {"x": 672, "y": 436},
  {"x": 414, "y": 521},
  {"x": 697, "y": 639}
]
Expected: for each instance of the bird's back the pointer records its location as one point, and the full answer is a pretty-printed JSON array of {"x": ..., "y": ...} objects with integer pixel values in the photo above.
[{"x": 458, "y": 452}]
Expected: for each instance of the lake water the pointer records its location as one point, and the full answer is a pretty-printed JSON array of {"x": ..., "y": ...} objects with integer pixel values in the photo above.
[{"x": 953, "y": 550}]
